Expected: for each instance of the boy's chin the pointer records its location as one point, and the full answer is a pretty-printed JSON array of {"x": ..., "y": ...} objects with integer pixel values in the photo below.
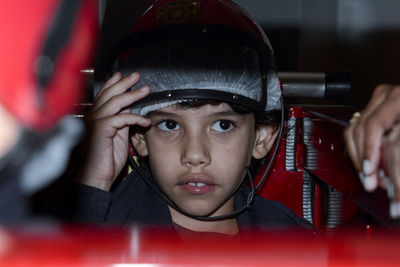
[{"x": 198, "y": 211}]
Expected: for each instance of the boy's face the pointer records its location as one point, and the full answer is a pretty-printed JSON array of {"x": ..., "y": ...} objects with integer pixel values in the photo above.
[{"x": 199, "y": 155}]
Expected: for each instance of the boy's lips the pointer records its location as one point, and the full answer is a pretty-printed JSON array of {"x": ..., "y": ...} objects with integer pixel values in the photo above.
[{"x": 197, "y": 184}]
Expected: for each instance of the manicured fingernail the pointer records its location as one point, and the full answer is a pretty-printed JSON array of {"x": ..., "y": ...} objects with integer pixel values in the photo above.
[
  {"x": 362, "y": 177},
  {"x": 382, "y": 175},
  {"x": 389, "y": 188},
  {"x": 394, "y": 209},
  {"x": 367, "y": 167},
  {"x": 397, "y": 204},
  {"x": 370, "y": 182},
  {"x": 365, "y": 181}
]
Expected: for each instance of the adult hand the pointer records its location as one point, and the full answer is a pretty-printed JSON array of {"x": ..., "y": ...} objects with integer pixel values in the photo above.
[
  {"x": 109, "y": 122},
  {"x": 376, "y": 135}
]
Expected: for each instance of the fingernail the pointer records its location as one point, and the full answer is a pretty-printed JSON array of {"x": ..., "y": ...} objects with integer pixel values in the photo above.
[
  {"x": 370, "y": 182},
  {"x": 134, "y": 75},
  {"x": 397, "y": 209},
  {"x": 362, "y": 177},
  {"x": 367, "y": 167},
  {"x": 144, "y": 88},
  {"x": 382, "y": 175},
  {"x": 115, "y": 75},
  {"x": 389, "y": 188},
  {"x": 394, "y": 209}
]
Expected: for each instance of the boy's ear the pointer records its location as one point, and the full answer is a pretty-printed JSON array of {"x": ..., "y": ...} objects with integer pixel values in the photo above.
[
  {"x": 140, "y": 144},
  {"x": 265, "y": 137}
]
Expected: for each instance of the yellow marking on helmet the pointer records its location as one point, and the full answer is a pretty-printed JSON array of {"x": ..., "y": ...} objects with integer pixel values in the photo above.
[{"x": 178, "y": 12}]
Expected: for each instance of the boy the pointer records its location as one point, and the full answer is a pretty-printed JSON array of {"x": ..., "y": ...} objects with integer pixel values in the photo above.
[{"x": 209, "y": 94}]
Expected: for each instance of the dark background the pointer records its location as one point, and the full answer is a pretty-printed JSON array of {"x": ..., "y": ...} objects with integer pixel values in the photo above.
[{"x": 359, "y": 36}]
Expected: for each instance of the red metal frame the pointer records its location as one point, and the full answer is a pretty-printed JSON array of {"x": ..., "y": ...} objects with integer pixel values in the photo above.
[{"x": 333, "y": 170}]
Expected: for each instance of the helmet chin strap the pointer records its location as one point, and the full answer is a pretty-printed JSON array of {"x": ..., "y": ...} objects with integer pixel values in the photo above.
[
  {"x": 148, "y": 178},
  {"x": 151, "y": 182}
]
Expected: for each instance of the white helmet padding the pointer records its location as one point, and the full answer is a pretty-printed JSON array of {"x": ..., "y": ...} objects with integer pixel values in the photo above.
[{"x": 191, "y": 63}]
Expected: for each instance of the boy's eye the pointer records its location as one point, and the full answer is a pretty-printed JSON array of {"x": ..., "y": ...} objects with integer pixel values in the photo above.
[
  {"x": 222, "y": 126},
  {"x": 168, "y": 125}
]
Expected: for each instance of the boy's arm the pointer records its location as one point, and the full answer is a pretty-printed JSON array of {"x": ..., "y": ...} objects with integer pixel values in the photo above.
[
  {"x": 109, "y": 122},
  {"x": 73, "y": 202},
  {"x": 88, "y": 200},
  {"x": 88, "y": 204}
]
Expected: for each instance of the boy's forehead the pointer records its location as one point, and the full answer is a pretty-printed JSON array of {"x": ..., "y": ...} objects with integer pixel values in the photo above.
[
  {"x": 196, "y": 111},
  {"x": 209, "y": 109}
]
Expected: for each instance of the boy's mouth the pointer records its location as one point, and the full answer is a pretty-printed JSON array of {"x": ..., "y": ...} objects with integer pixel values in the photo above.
[
  {"x": 197, "y": 185},
  {"x": 197, "y": 188}
]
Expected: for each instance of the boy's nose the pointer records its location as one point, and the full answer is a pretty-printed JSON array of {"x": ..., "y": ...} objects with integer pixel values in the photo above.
[{"x": 195, "y": 151}]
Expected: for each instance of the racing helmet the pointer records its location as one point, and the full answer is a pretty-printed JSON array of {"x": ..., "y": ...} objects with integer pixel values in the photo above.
[
  {"x": 199, "y": 49},
  {"x": 44, "y": 46}
]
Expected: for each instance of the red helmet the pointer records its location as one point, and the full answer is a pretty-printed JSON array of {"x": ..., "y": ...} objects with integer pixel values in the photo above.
[
  {"x": 211, "y": 12},
  {"x": 200, "y": 49},
  {"x": 45, "y": 44}
]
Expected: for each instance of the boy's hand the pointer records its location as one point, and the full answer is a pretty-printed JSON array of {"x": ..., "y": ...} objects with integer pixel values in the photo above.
[{"x": 109, "y": 122}]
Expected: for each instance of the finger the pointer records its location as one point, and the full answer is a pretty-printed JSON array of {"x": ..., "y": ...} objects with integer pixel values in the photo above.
[
  {"x": 114, "y": 79},
  {"x": 393, "y": 158},
  {"x": 109, "y": 126},
  {"x": 379, "y": 122},
  {"x": 117, "y": 88},
  {"x": 369, "y": 133},
  {"x": 118, "y": 102},
  {"x": 378, "y": 96},
  {"x": 351, "y": 147},
  {"x": 369, "y": 182},
  {"x": 357, "y": 135},
  {"x": 392, "y": 148},
  {"x": 369, "y": 174}
]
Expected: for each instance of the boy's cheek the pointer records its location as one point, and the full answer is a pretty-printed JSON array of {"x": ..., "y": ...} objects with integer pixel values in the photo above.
[{"x": 163, "y": 158}]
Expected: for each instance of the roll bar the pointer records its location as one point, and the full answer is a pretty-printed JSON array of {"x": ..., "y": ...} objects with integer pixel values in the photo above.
[{"x": 322, "y": 85}]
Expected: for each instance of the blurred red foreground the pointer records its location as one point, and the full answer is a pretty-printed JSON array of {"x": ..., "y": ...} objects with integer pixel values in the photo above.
[{"x": 52, "y": 245}]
